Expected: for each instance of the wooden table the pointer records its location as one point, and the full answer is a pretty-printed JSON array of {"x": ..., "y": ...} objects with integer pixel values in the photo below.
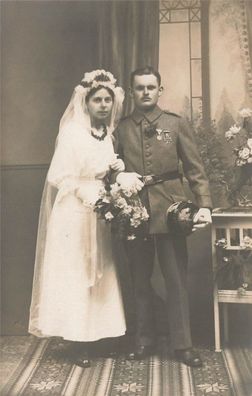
[{"x": 232, "y": 225}]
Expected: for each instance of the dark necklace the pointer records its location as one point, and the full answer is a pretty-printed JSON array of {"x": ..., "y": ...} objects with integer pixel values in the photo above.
[{"x": 102, "y": 136}]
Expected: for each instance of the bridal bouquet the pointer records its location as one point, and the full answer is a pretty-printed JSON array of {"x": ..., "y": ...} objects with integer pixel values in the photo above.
[{"x": 123, "y": 209}]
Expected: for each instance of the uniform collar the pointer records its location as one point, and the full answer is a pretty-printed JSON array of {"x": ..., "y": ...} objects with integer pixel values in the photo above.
[{"x": 151, "y": 116}]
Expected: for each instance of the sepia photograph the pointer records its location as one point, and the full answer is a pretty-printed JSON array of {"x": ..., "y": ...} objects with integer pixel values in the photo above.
[{"x": 126, "y": 198}]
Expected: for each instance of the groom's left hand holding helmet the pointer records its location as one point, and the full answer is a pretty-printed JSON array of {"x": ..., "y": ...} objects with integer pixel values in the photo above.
[{"x": 202, "y": 218}]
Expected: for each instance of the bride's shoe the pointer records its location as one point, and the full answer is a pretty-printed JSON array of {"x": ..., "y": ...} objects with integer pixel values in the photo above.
[{"x": 83, "y": 362}]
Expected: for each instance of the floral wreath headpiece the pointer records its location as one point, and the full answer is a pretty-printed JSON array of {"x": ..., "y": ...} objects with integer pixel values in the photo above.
[{"x": 96, "y": 79}]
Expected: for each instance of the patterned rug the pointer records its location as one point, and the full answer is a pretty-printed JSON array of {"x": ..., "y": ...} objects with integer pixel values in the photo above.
[{"x": 42, "y": 367}]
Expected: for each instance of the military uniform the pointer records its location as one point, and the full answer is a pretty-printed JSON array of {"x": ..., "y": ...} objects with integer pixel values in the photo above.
[{"x": 154, "y": 143}]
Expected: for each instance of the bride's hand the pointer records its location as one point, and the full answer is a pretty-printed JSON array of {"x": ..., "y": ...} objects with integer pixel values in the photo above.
[
  {"x": 117, "y": 165},
  {"x": 88, "y": 194}
]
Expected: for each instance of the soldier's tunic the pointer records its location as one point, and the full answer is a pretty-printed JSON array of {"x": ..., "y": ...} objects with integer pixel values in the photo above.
[
  {"x": 154, "y": 143},
  {"x": 156, "y": 153}
]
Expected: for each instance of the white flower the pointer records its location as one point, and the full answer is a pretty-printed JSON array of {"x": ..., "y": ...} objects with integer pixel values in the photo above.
[
  {"x": 137, "y": 214},
  {"x": 109, "y": 216},
  {"x": 229, "y": 135},
  {"x": 121, "y": 202},
  {"x": 246, "y": 112},
  {"x": 247, "y": 242},
  {"x": 244, "y": 153},
  {"x": 92, "y": 76},
  {"x": 88, "y": 77},
  {"x": 249, "y": 160},
  {"x": 104, "y": 195},
  {"x": 135, "y": 222},
  {"x": 145, "y": 215},
  {"x": 115, "y": 189},
  {"x": 221, "y": 243},
  {"x": 106, "y": 199},
  {"x": 127, "y": 210},
  {"x": 234, "y": 129},
  {"x": 129, "y": 191},
  {"x": 240, "y": 162},
  {"x": 131, "y": 237}
]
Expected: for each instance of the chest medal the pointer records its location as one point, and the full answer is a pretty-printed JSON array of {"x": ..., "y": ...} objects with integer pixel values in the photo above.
[
  {"x": 164, "y": 134},
  {"x": 167, "y": 136},
  {"x": 159, "y": 133}
]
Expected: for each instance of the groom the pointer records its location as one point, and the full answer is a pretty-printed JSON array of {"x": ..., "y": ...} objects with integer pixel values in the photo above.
[{"x": 151, "y": 142}]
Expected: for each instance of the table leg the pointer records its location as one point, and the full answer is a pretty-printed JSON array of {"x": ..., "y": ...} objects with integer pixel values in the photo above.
[
  {"x": 225, "y": 320},
  {"x": 216, "y": 322}
]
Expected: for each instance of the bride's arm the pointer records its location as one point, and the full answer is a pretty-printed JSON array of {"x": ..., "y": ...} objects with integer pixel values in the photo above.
[{"x": 64, "y": 170}]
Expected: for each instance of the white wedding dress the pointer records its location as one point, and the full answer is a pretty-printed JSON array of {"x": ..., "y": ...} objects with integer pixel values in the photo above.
[{"x": 78, "y": 297}]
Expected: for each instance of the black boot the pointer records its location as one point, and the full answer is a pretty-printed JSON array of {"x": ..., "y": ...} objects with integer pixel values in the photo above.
[{"x": 189, "y": 357}]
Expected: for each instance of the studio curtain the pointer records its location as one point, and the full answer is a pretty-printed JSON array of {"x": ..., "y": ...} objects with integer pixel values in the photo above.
[{"x": 128, "y": 38}]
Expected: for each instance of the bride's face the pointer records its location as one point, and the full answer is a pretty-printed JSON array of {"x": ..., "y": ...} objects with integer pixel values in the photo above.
[{"x": 100, "y": 105}]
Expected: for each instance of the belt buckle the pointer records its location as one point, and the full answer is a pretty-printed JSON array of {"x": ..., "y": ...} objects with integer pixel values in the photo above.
[{"x": 148, "y": 179}]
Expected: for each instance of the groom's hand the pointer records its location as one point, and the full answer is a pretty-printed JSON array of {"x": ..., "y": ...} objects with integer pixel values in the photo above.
[
  {"x": 130, "y": 181},
  {"x": 202, "y": 218}
]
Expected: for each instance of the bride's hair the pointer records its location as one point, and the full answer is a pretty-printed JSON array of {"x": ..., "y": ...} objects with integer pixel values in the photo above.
[{"x": 96, "y": 89}]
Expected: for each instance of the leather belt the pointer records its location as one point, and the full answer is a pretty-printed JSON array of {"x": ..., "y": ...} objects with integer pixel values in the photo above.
[{"x": 149, "y": 180}]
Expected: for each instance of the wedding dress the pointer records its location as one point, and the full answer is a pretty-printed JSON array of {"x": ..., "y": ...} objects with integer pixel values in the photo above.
[{"x": 76, "y": 294}]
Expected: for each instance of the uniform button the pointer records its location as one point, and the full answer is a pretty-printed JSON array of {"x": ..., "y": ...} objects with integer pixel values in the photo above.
[
  {"x": 148, "y": 154},
  {"x": 148, "y": 162},
  {"x": 147, "y": 146}
]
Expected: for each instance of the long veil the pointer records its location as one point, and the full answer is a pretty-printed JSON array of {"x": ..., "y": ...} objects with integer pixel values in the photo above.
[{"x": 76, "y": 113}]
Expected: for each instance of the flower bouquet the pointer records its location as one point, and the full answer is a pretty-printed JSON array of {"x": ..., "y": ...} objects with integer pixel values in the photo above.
[
  {"x": 235, "y": 266},
  {"x": 240, "y": 137},
  {"x": 123, "y": 209}
]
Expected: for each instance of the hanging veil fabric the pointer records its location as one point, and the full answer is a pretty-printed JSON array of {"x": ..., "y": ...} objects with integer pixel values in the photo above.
[{"x": 66, "y": 174}]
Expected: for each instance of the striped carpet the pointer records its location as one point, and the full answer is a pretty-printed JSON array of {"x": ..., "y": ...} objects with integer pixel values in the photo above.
[{"x": 30, "y": 366}]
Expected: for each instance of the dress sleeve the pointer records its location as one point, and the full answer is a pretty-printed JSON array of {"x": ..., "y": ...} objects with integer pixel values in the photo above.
[{"x": 64, "y": 170}]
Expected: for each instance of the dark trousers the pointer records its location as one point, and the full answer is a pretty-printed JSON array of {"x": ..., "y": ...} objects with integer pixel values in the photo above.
[{"x": 173, "y": 258}]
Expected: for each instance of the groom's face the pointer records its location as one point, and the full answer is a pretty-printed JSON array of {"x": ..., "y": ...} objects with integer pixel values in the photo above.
[{"x": 145, "y": 91}]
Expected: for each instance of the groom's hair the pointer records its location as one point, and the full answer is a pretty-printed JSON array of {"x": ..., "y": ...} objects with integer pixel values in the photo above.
[{"x": 143, "y": 71}]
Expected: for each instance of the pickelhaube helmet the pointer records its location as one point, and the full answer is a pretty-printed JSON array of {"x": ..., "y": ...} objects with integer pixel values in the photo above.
[{"x": 180, "y": 217}]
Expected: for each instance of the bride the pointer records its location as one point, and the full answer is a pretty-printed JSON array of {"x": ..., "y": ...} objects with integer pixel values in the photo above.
[{"x": 75, "y": 288}]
